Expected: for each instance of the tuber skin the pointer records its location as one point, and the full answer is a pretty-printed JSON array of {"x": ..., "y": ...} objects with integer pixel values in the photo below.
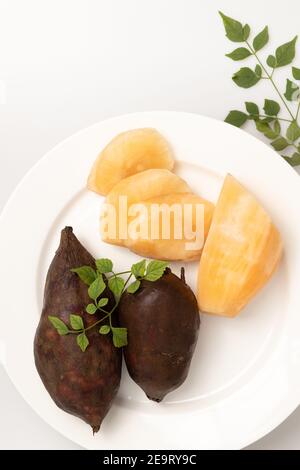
[
  {"x": 163, "y": 322},
  {"x": 83, "y": 384}
]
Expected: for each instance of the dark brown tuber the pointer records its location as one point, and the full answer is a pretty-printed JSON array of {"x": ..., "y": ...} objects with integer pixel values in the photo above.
[
  {"x": 163, "y": 322},
  {"x": 81, "y": 383}
]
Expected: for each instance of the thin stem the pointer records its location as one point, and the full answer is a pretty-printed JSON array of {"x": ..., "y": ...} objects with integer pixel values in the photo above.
[
  {"x": 110, "y": 324},
  {"x": 129, "y": 277},
  {"x": 97, "y": 322},
  {"x": 271, "y": 79},
  {"x": 118, "y": 274},
  {"x": 108, "y": 314},
  {"x": 298, "y": 109},
  {"x": 75, "y": 332},
  {"x": 273, "y": 117},
  {"x": 282, "y": 99},
  {"x": 102, "y": 310}
]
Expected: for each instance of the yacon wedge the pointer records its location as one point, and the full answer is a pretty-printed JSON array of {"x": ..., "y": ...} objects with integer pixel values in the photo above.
[
  {"x": 129, "y": 153},
  {"x": 181, "y": 221},
  {"x": 242, "y": 250}
]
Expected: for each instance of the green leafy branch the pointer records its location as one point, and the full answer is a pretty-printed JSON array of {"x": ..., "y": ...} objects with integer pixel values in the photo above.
[
  {"x": 93, "y": 278},
  {"x": 267, "y": 122}
]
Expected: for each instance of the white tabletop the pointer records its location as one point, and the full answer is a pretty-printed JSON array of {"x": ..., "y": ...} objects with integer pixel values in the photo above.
[{"x": 65, "y": 65}]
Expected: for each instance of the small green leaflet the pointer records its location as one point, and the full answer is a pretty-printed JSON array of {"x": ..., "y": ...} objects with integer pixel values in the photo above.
[
  {"x": 252, "y": 108},
  {"x": 133, "y": 287},
  {"x": 296, "y": 73},
  {"x": 155, "y": 270},
  {"x": 258, "y": 70},
  {"x": 91, "y": 309},
  {"x": 268, "y": 119},
  {"x": 246, "y": 32},
  {"x": 59, "y": 325},
  {"x": 261, "y": 39},
  {"x": 104, "y": 330},
  {"x": 285, "y": 54},
  {"x": 272, "y": 133},
  {"x": 102, "y": 302},
  {"x": 239, "y": 54},
  {"x": 265, "y": 128},
  {"x": 261, "y": 126},
  {"x": 271, "y": 108},
  {"x": 236, "y": 118},
  {"x": 293, "y": 131},
  {"x": 280, "y": 144},
  {"x": 104, "y": 265},
  {"x": 76, "y": 322},
  {"x": 234, "y": 29},
  {"x": 294, "y": 160},
  {"x": 271, "y": 61},
  {"x": 96, "y": 288},
  {"x": 116, "y": 285},
  {"x": 291, "y": 91},
  {"x": 138, "y": 269},
  {"x": 277, "y": 127},
  {"x": 82, "y": 341},
  {"x": 86, "y": 274},
  {"x": 245, "y": 78},
  {"x": 119, "y": 337}
]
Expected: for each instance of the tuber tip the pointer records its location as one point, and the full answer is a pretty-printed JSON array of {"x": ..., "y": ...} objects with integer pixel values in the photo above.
[
  {"x": 157, "y": 400},
  {"x": 95, "y": 429},
  {"x": 65, "y": 235}
]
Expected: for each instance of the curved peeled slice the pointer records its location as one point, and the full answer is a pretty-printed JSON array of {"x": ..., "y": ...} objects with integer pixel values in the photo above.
[
  {"x": 129, "y": 153},
  {"x": 187, "y": 215},
  {"x": 147, "y": 184},
  {"x": 242, "y": 250},
  {"x": 135, "y": 190}
]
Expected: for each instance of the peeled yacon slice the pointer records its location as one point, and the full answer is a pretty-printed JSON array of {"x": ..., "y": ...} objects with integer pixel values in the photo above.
[
  {"x": 81, "y": 383},
  {"x": 242, "y": 250},
  {"x": 135, "y": 190},
  {"x": 163, "y": 322},
  {"x": 147, "y": 184},
  {"x": 196, "y": 214},
  {"x": 129, "y": 153}
]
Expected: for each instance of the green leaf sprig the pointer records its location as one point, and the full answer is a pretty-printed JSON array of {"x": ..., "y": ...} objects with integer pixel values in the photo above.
[
  {"x": 267, "y": 122},
  {"x": 93, "y": 278}
]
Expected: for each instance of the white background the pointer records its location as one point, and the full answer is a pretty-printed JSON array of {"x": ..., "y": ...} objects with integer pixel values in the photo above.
[{"x": 66, "y": 64}]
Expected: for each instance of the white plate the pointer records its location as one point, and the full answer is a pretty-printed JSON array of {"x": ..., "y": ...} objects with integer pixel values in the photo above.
[{"x": 245, "y": 375}]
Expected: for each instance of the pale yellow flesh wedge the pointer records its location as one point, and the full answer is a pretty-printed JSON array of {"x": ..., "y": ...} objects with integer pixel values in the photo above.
[
  {"x": 172, "y": 249},
  {"x": 242, "y": 251},
  {"x": 147, "y": 184},
  {"x": 129, "y": 153}
]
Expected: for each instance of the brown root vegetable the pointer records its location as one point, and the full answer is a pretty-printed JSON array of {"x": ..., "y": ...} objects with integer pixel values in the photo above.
[
  {"x": 81, "y": 383},
  {"x": 163, "y": 322}
]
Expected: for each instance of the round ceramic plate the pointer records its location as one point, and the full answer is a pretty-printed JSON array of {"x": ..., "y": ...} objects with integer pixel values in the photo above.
[{"x": 244, "y": 379}]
